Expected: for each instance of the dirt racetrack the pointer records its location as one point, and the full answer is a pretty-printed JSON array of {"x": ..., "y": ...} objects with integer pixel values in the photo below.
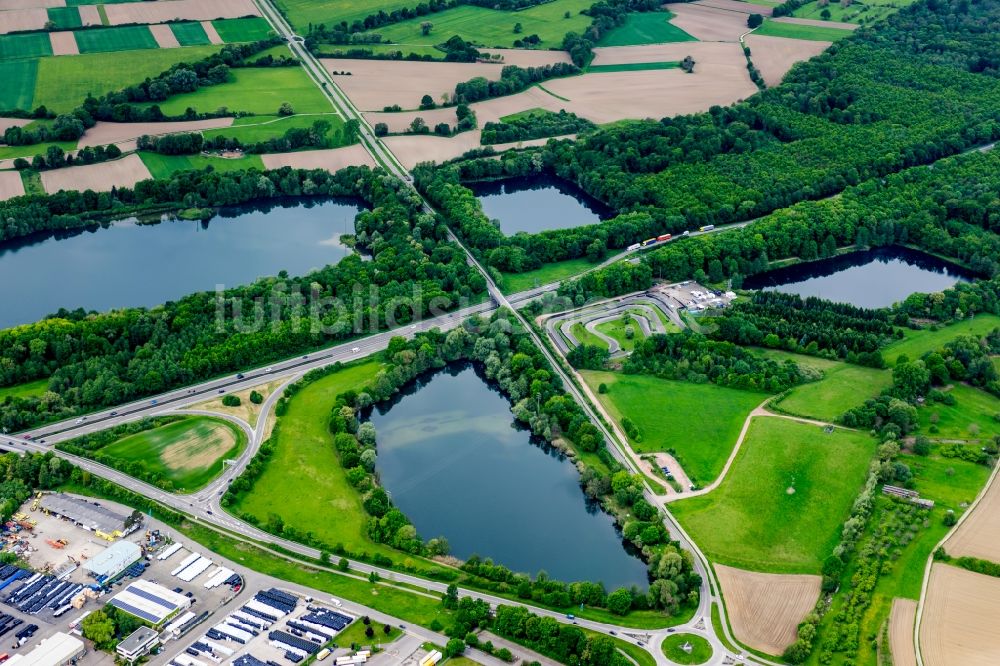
[
  {"x": 124, "y": 172},
  {"x": 63, "y": 43},
  {"x": 332, "y": 159},
  {"x": 774, "y": 56},
  {"x": 958, "y": 626},
  {"x": 169, "y": 10},
  {"x": 735, "y": 6},
  {"x": 10, "y": 185},
  {"x": 901, "y": 621},
  {"x": 529, "y": 57},
  {"x": 766, "y": 609},
  {"x": 89, "y": 15},
  {"x": 709, "y": 24},
  {"x": 164, "y": 36},
  {"x": 375, "y": 84},
  {"x": 979, "y": 534},
  {"x": 104, "y": 133},
  {"x": 18, "y": 20},
  {"x": 211, "y": 32}
]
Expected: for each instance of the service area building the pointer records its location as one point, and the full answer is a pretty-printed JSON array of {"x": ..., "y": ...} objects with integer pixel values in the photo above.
[
  {"x": 137, "y": 644},
  {"x": 113, "y": 560},
  {"x": 104, "y": 522},
  {"x": 58, "y": 649},
  {"x": 150, "y": 602}
]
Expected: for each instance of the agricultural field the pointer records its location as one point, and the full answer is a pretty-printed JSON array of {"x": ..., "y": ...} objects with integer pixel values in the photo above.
[
  {"x": 843, "y": 387},
  {"x": 781, "y": 506},
  {"x": 190, "y": 34},
  {"x": 493, "y": 28},
  {"x": 25, "y": 45},
  {"x": 646, "y": 28},
  {"x": 917, "y": 343},
  {"x": 764, "y": 610},
  {"x": 123, "y": 172},
  {"x": 242, "y": 29},
  {"x": 302, "y": 13},
  {"x": 189, "y": 452},
  {"x": 632, "y": 67},
  {"x": 250, "y": 129},
  {"x": 19, "y": 83},
  {"x": 772, "y": 28},
  {"x": 121, "y": 38},
  {"x": 979, "y": 535},
  {"x": 901, "y": 622},
  {"x": 698, "y": 423},
  {"x": 260, "y": 91},
  {"x": 774, "y": 56},
  {"x": 958, "y": 626},
  {"x": 162, "y": 166}
]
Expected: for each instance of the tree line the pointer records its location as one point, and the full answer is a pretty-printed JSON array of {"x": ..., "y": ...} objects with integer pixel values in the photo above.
[{"x": 318, "y": 135}]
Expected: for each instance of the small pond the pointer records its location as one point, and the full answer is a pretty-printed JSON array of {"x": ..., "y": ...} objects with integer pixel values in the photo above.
[
  {"x": 874, "y": 278},
  {"x": 537, "y": 203},
  {"x": 132, "y": 264},
  {"x": 454, "y": 461}
]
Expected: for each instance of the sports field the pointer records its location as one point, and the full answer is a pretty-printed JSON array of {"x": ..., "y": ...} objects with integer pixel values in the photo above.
[
  {"x": 699, "y": 422},
  {"x": 843, "y": 387},
  {"x": 782, "y": 504},
  {"x": 242, "y": 29},
  {"x": 25, "y": 45},
  {"x": 162, "y": 166},
  {"x": 120, "y": 38},
  {"x": 189, "y": 452},
  {"x": 795, "y": 31},
  {"x": 490, "y": 27},
  {"x": 63, "y": 82},
  {"x": 917, "y": 343},
  {"x": 646, "y": 28},
  {"x": 260, "y": 91}
]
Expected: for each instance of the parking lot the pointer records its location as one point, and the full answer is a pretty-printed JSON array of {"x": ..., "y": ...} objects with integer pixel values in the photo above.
[{"x": 693, "y": 297}]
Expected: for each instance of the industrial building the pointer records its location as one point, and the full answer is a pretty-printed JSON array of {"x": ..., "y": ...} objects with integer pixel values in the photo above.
[
  {"x": 113, "y": 560},
  {"x": 137, "y": 644},
  {"x": 58, "y": 649},
  {"x": 150, "y": 602},
  {"x": 104, "y": 522}
]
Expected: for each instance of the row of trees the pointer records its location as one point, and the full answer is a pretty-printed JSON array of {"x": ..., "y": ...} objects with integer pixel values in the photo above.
[
  {"x": 56, "y": 158},
  {"x": 534, "y": 126},
  {"x": 318, "y": 135},
  {"x": 513, "y": 79}
]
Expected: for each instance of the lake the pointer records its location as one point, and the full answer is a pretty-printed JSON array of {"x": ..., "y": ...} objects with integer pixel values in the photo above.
[
  {"x": 456, "y": 463},
  {"x": 132, "y": 264},
  {"x": 873, "y": 278},
  {"x": 536, "y": 203}
]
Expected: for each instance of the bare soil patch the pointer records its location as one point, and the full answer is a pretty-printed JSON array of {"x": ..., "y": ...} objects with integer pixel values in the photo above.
[
  {"x": 10, "y": 185},
  {"x": 196, "y": 451},
  {"x": 6, "y": 123},
  {"x": 6, "y": 5},
  {"x": 124, "y": 172},
  {"x": 718, "y": 53},
  {"x": 774, "y": 56},
  {"x": 63, "y": 43},
  {"x": 247, "y": 411},
  {"x": 901, "y": 621},
  {"x": 376, "y": 84},
  {"x": 411, "y": 150},
  {"x": 211, "y": 32},
  {"x": 332, "y": 159},
  {"x": 708, "y": 23},
  {"x": 164, "y": 36},
  {"x": 400, "y": 121},
  {"x": 170, "y": 10},
  {"x": 766, "y": 609},
  {"x": 89, "y": 15},
  {"x": 735, "y": 6},
  {"x": 529, "y": 57},
  {"x": 979, "y": 534},
  {"x": 958, "y": 624},
  {"x": 17, "y": 20},
  {"x": 817, "y": 23},
  {"x": 104, "y": 133}
]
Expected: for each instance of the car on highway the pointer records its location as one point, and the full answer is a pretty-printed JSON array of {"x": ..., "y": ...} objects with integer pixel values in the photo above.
[
  {"x": 355, "y": 349},
  {"x": 306, "y": 356},
  {"x": 113, "y": 414},
  {"x": 152, "y": 402},
  {"x": 222, "y": 390},
  {"x": 239, "y": 375},
  {"x": 79, "y": 421},
  {"x": 269, "y": 369}
]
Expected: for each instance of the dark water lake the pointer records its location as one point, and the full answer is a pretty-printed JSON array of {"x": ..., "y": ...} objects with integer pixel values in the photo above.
[
  {"x": 537, "y": 203},
  {"x": 132, "y": 264},
  {"x": 871, "y": 279},
  {"x": 454, "y": 461}
]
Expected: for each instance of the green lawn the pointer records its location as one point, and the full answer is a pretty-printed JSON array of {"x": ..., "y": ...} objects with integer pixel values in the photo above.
[
  {"x": 843, "y": 386},
  {"x": 355, "y": 633},
  {"x": 782, "y": 504},
  {"x": 492, "y": 28},
  {"x": 973, "y": 416},
  {"x": 64, "y": 81},
  {"x": 646, "y": 28},
  {"x": 25, "y": 390},
  {"x": 32, "y": 181},
  {"x": 30, "y": 150},
  {"x": 547, "y": 274},
  {"x": 300, "y": 13},
  {"x": 119, "y": 38},
  {"x": 65, "y": 17},
  {"x": 673, "y": 648},
  {"x": 189, "y": 452},
  {"x": 256, "y": 90},
  {"x": 261, "y": 128},
  {"x": 856, "y": 12},
  {"x": 795, "y": 31},
  {"x": 161, "y": 166},
  {"x": 585, "y": 337},
  {"x": 917, "y": 343},
  {"x": 242, "y": 29},
  {"x": 950, "y": 482},
  {"x": 18, "y": 87},
  {"x": 699, "y": 422},
  {"x": 616, "y": 331},
  {"x": 637, "y": 654},
  {"x": 25, "y": 45},
  {"x": 189, "y": 34},
  {"x": 304, "y": 457},
  {"x": 632, "y": 67}
]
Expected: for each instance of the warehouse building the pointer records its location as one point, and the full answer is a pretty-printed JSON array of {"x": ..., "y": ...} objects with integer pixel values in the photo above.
[
  {"x": 113, "y": 560},
  {"x": 104, "y": 522},
  {"x": 150, "y": 602},
  {"x": 58, "y": 649},
  {"x": 137, "y": 644}
]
